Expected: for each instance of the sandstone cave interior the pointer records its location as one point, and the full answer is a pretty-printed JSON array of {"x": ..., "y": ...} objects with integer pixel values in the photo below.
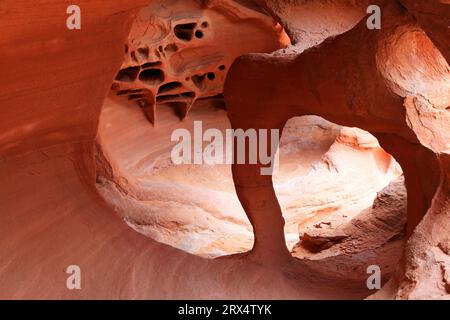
[{"x": 364, "y": 167}]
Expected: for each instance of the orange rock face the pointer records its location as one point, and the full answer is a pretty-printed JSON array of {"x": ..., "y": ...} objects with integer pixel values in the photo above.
[{"x": 87, "y": 177}]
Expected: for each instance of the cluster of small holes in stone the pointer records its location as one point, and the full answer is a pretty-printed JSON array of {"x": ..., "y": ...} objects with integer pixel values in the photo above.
[
  {"x": 151, "y": 74},
  {"x": 187, "y": 31},
  {"x": 199, "y": 80},
  {"x": 147, "y": 73}
]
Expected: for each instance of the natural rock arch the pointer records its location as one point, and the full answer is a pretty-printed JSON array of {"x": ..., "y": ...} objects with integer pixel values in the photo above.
[{"x": 349, "y": 81}]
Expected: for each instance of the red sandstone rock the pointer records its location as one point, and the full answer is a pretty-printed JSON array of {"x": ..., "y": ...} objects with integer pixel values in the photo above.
[{"x": 393, "y": 83}]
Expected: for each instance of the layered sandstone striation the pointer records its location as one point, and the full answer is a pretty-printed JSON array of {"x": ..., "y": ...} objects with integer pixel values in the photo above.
[{"x": 364, "y": 174}]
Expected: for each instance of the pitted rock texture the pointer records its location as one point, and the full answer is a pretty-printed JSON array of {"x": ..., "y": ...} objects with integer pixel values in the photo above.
[{"x": 180, "y": 52}]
